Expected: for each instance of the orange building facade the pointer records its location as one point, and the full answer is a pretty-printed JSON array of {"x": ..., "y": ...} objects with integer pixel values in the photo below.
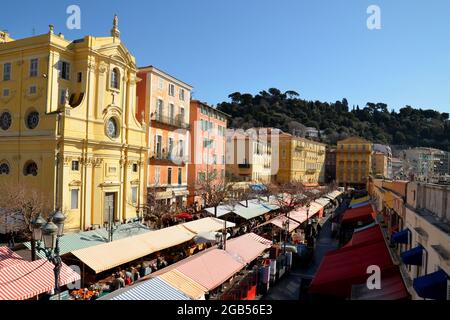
[
  {"x": 164, "y": 103},
  {"x": 207, "y": 147}
]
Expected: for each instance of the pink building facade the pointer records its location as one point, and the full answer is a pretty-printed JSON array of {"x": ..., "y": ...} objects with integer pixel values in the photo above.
[{"x": 207, "y": 148}]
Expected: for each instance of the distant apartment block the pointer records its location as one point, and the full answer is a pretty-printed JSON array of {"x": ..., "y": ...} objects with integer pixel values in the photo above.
[
  {"x": 249, "y": 156},
  {"x": 330, "y": 165},
  {"x": 425, "y": 164},
  {"x": 300, "y": 159},
  {"x": 353, "y": 161}
]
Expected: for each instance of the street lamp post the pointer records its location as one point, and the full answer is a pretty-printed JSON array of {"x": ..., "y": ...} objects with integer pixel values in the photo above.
[
  {"x": 286, "y": 232},
  {"x": 49, "y": 232}
]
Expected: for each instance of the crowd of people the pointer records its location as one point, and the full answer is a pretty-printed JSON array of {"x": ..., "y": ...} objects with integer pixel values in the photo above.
[{"x": 126, "y": 277}]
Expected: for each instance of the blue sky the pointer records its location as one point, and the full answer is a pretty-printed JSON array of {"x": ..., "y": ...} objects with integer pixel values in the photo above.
[{"x": 319, "y": 48}]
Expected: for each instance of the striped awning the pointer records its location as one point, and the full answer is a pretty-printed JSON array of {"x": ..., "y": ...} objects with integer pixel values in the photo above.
[
  {"x": 247, "y": 247},
  {"x": 28, "y": 279},
  {"x": 184, "y": 284},
  {"x": 323, "y": 201},
  {"x": 211, "y": 269},
  {"x": 153, "y": 289},
  {"x": 359, "y": 200},
  {"x": 334, "y": 194},
  {"x": 280, "y": 221},
  {"x": 8, "y": 257}
]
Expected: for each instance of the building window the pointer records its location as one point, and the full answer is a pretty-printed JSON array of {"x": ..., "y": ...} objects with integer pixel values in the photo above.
[
  {"x": 182, "y": 115},
  {"x": 182, "y": 94},
  {"x": 32, "y": 119},
  {"x": 5, "y": 120},
  {"x": 64, "y": 70},
  {"x": 33, "y": 67},
  {"x": 62, "y": 97},
  {"x": 32, "y": 90},
  {"x": 170, "y": 148},
  {"x": 169, "y": 176},
  {"x": 181, "y": 147},
  {"x": 180, "y": 176},
  {"x": 4, "y": 168},
  {"x": 161, "y": 83},
  {"x": 115, "y": 79},
  {"x": 74, "y": 199},
  {"x": 158, "y": 146},
  {"x": 157, "y": 175},
  {"x": 79, "y": 76},
  {"x": 134, "y": 195},
  {"x": 75, "y": 165},
  {"x": 135, "y": 167},
  {"x": 30, "y": 169},
  {"x": 7, "y": 71},
  {"x": 171, "y": 90},
  {"x": 6, "y": 92},
  {"x": 171, "y": 112},
  {"x": 159, "y": 109}
]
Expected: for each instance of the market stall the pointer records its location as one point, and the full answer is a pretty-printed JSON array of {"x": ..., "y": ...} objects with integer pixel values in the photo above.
[{"x": 25, "y": 280}]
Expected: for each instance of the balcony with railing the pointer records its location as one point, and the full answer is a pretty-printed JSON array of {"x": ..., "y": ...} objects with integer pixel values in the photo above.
[
  {"x": 176, "y": 122},
  {"x": 167, "y": 157}
]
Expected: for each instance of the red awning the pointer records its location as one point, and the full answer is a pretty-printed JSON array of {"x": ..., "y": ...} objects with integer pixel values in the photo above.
[
  {"x": 211, "y": 269},
  {"x": 247, "y": 247},
  {"x": 367, "y": 236},
  {"x": 8, "y": 257},
  {"x": 28, "y": 279},
  {"x": 345, "y": 267},
  {"x": 392, "y": 288},
  {"x": 365, "y": 214}
]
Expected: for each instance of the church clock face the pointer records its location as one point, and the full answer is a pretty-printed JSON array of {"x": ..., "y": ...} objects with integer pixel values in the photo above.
[{"x": 112, "y": 128}]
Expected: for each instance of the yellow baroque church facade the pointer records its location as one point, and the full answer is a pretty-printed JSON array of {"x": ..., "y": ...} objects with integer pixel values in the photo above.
[{"x": 68, "y": 125}]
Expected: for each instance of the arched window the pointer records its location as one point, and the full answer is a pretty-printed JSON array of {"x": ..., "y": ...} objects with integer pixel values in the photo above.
[
  {"x": 30, "y": 169},
  {"x": 115, "y": 78},
  {"x": 4, "y": 168}
]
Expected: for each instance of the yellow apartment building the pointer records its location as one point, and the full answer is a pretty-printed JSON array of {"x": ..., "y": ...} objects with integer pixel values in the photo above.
[
  {"x": 301, "y": 160},
  {"x": 68, "y": 125},
  {"x": 353, "y": 161},
  {"x": 380, "y": 164}
]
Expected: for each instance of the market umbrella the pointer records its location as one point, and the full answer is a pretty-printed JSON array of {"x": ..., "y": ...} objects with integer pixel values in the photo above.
[{"x": 184, "y": 215}]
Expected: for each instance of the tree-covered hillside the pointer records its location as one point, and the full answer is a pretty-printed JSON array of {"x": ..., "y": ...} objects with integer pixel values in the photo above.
[{"x": 273, "y": 108}]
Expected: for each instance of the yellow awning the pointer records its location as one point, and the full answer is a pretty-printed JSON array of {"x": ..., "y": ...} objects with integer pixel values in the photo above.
[
  {"x": 109, "y": 255},
  {"x": 207, "y": 225},
  {"x": 185, "y": 284},
  {"x": 359, "y": 200}
]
